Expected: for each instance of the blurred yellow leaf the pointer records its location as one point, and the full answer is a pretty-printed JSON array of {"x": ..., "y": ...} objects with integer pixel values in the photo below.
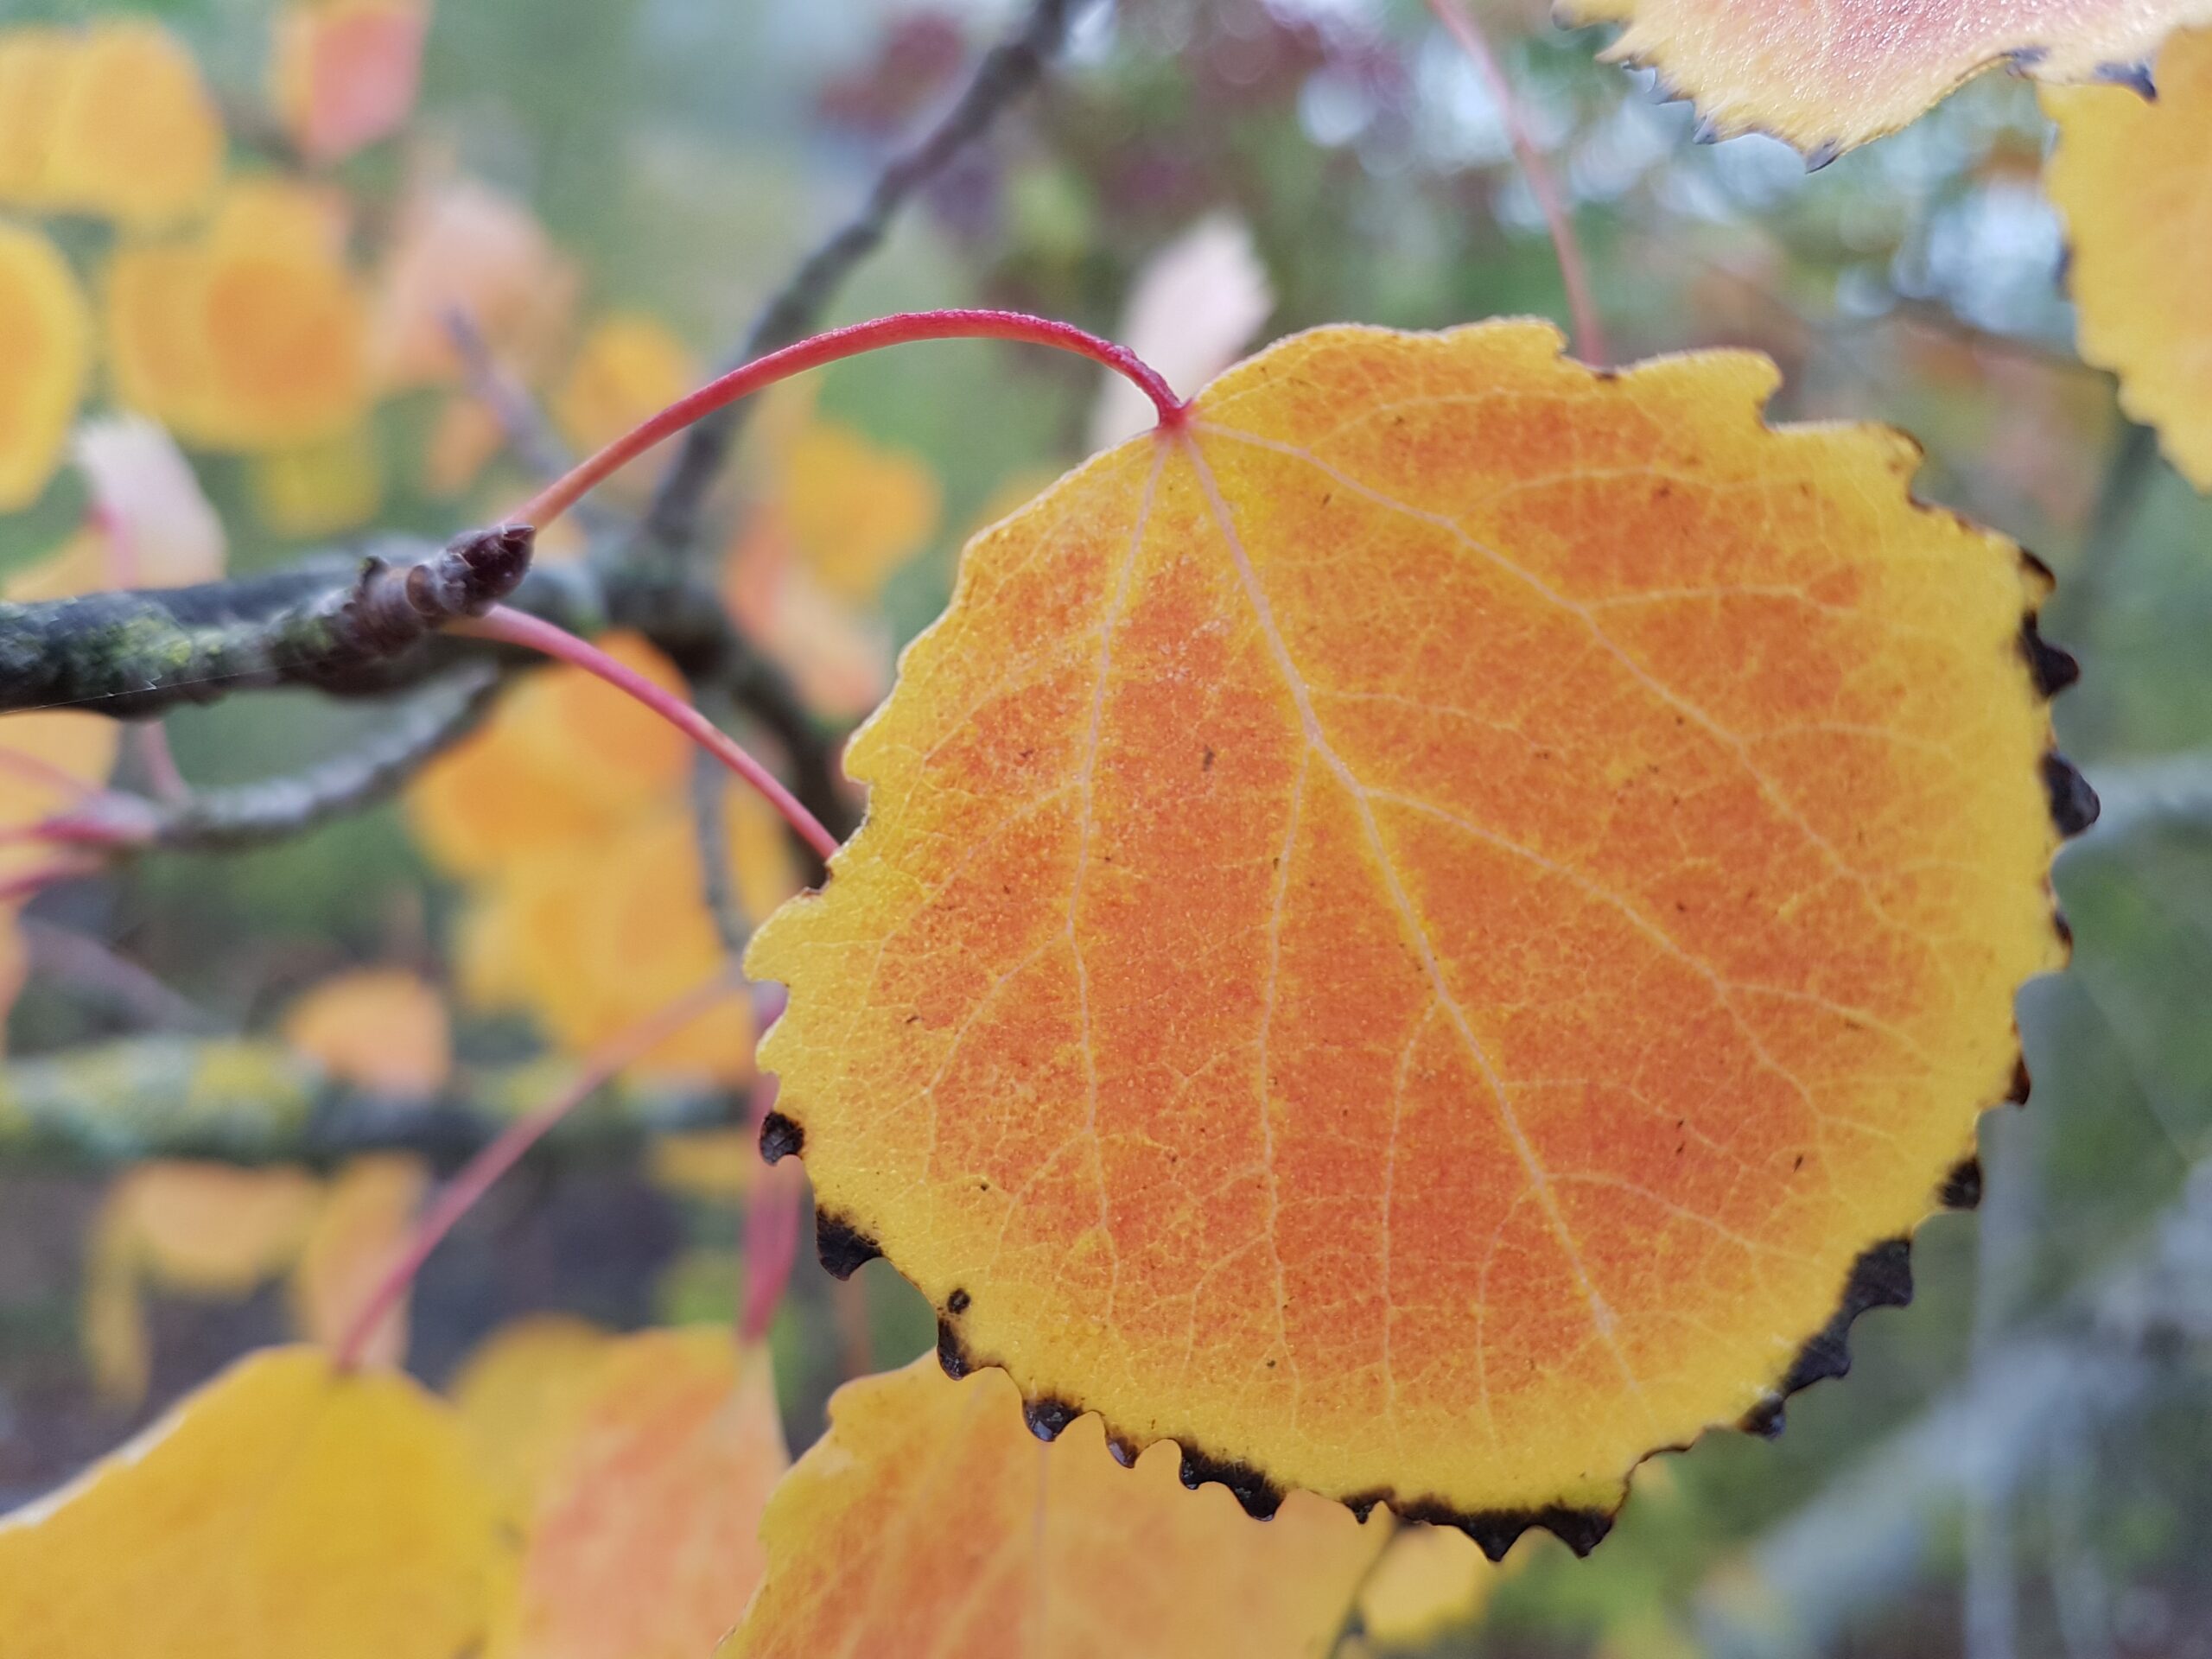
[
  {"x": 319, "y": 489},
  {"x": 135, "y": 137},
  {"x": 565, "y": 759},
  {"x": 362, "y": 1227},
  {"x": 614, "y": 934},
  {"x": 210, "y": 1230},
  {"x": 45, "y": 354},
  {"x": 251, "y": 336},
  {"x": 857, "y": 510},
  {"x": 35, "y": 66},
  {"x": 838, "y": 655},
  {"x": 344, "y": 74},
  {"x": 929, "y": 1520},
  {"x": 381, "y": 1029},
  {"x": 646, "y": 1544},
  {"x": 2129, "y": 176},
  {"x": 519, "y": 1395},
  {"x": 1430, "y": 1580},
  {"x": 281, "y": 1511},
  {"x": 627, "y": 368},
  {"x": 461, "y": 246}
]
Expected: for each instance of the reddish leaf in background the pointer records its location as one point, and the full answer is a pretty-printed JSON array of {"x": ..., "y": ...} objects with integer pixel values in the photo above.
[
  {"x": 1434, "y": 930},
  {"x": 345, "y": 73},
  {"x": 929, "y": 1521}
]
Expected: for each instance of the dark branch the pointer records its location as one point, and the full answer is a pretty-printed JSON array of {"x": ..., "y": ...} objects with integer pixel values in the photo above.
[
  {"x": 227, "y": 820},
  {"x": 338, "y": 626},
  {"x": 251, "y": 1102},
  {"x": 1005, "y": 73}
]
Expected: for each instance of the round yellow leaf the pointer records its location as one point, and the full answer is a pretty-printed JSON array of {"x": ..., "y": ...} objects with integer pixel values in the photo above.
[
  {"x": 136, "y": 135},
  {"x": 2129, "y": 176}
]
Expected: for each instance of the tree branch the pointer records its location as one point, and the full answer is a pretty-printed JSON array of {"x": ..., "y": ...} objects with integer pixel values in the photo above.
[
  {"x": 1005, "y": 73},
  {"x": 247, "y": 1101},
  {"x": 227, "y": 820}
]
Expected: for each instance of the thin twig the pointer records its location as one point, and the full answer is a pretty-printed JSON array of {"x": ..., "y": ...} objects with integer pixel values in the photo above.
[
  {"x": 1458, "y": 18},
  {"x": 92, "y": 966},
  {"x": 1003, "y": 74},
  {"x": 415, "y": 733},
  {"x": 528, "y": 432}
]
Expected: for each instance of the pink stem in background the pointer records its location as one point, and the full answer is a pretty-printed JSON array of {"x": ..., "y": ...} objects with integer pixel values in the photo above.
[
  {"x": 557, "y": 497},
  {"x": 771, "y": 1215},
  {"x": 66, "y": 867},
  {"x": 1458, "y": 18},
  {"x": 518, "y": 628},
  {"x": 475, "y": 1177}
]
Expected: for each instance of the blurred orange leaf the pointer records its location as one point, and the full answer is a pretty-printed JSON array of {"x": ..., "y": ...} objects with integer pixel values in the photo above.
[
  {"x": 2129, "y": 177},
  {"x": 364, "y": 1224},
  {"x": 381, "y": 1029},
  {"x": 645, "y": 1543},
  {"x": 35, "y": 66},
  {"x": 343, "y": 72},
  {"x": 1827, "y": 77},
  {"x": 461, "y": 246},
  {"x": 928, "y": 1519},
  {"x": 1422, "y": 935},
  {"x": 281, "y": 1510},
  {"x": 249, "y": 335},
  {"x": 519, "y": 1396},
  {"x": 45, "y": 355}
]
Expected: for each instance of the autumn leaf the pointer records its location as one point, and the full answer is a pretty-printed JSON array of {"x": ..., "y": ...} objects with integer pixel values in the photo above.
[
  {"x": 461, "y": 246},
  {"x": 362, "y": 1226},
  {"x": 136, "y": 136},
  {"x": 856, "y": 510},
  {"x": 519, "y": 1396},
  {"x": 1829, "y": 78},
  {"x": 628, "y": 368},
  {"x": 381, "y": 1029},
  {"x": 928, "y": 1519},
  {"x": 159, "y": 529},
  {"x": 645, "y": 1542},
  {"x": 281, "y": 1510},
  {"x": 2129, "y": 178},
  {"x": 250, "y": 335},
  {"x": 1434, "y": 930},
  {"x": 34, "y": 66},
  {"x": 344, "y": 74},
  {"x": 1430, "y": 1581},
  {"x": 45, "y": 355},
  {"x": 210, "y": 1230},
  {"x": 564, "y": 760}
]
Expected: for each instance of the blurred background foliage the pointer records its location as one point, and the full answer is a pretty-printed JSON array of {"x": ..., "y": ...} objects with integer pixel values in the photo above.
[{"x": 681, "y": 155}]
